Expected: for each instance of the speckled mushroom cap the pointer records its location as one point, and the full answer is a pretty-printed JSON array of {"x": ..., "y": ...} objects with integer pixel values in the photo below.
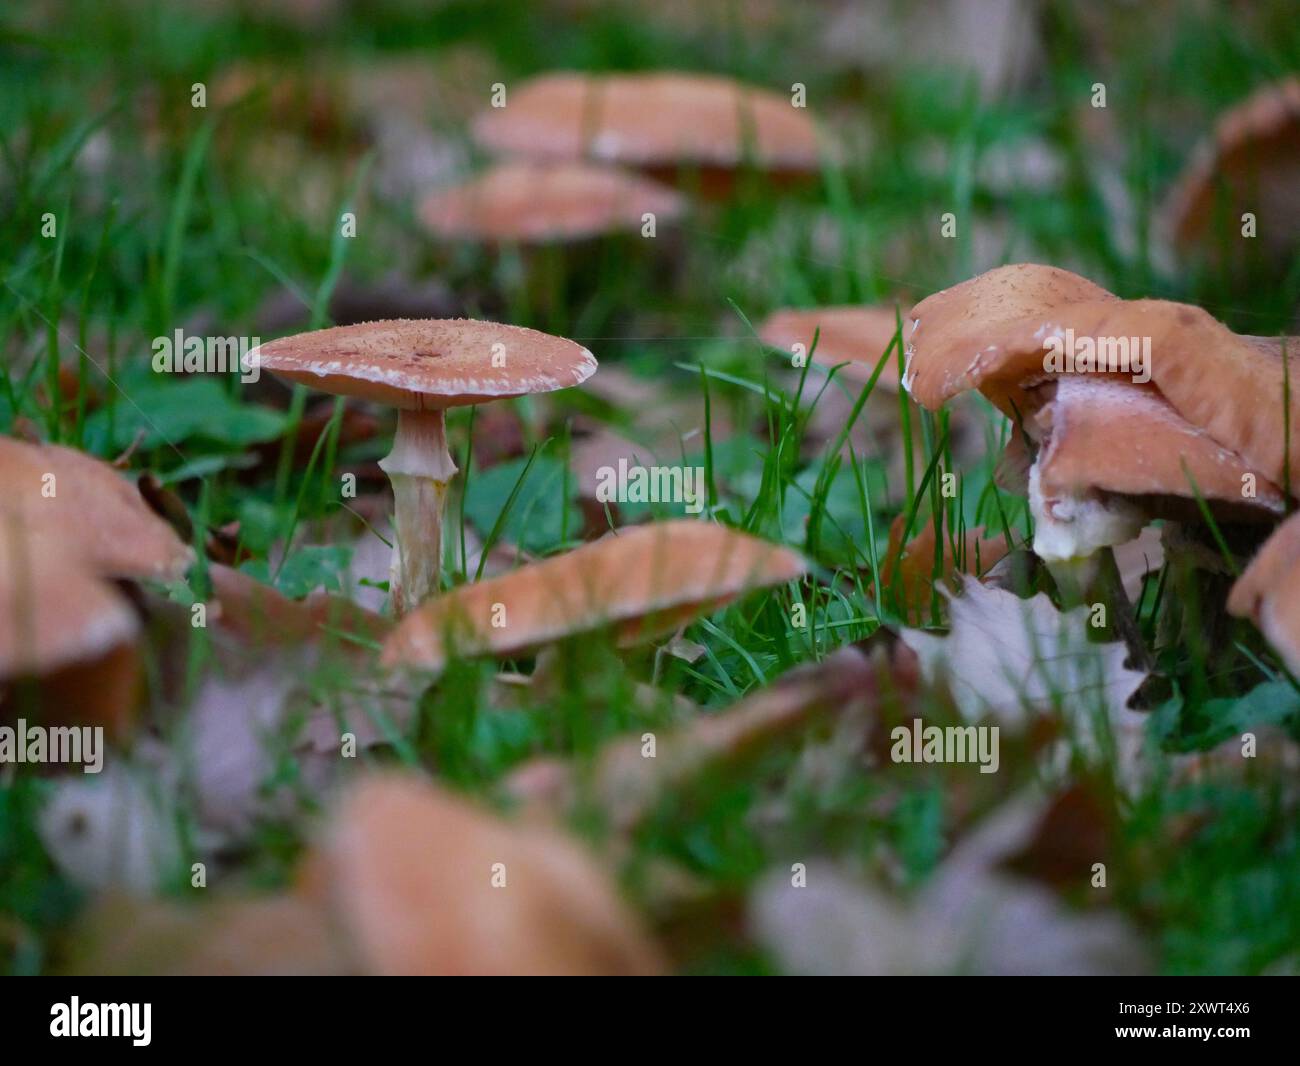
[
  {"x": 533, "y": 202},
  {"x": 651, "y": 120},
  {"x": 1268, "y": 591},
  {"x": 1103, "y": 435},
  {"x": 988, "y": 333},
  {"x": 856, "y": 336},
  {"x": 1253, "y": 161},
  {"x": 53, "y": 612},
  {"x": 428, "y": 363},
  {"x": 97, "y": 518},
  {"x": 646, "y": 580},
  {"x": 954, "y": 339}
]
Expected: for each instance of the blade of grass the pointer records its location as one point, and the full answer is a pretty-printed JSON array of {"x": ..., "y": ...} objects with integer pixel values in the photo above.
[{"x": 495, "y": 534}]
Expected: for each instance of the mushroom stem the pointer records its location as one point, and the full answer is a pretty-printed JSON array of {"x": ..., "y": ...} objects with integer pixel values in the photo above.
[
  {"x": 420, "y": 468},
  {"x": 1096, "y": 580},
  {"x": 1111, "y": 588}
]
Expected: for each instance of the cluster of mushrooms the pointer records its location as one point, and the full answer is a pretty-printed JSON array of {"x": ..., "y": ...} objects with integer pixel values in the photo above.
[
  {"x": 1210, "y": 432},
  {"x": 88, "y": 558},
  {"x": 583, "y": 155},
  {"x": 1099, "y": 456}
]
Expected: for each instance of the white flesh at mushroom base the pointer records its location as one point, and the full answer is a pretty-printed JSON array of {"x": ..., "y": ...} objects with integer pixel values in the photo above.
[{"x": 1070, "y": 530}]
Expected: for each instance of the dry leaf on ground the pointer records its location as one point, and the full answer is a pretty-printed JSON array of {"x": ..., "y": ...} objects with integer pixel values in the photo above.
[
  {"x": 969, "y": 918},
  {"x": 1007, "y": 658},
  {"x": 1011, "y": 660}
]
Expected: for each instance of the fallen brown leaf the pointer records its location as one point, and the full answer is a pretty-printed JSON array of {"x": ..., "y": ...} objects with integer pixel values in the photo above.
[
  {"x": 909, "y": 570},
  {"x": 624, "y": 784}
]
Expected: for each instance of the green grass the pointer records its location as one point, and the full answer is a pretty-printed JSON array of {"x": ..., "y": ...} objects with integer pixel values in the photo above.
[{"x": 166, "y": 219}]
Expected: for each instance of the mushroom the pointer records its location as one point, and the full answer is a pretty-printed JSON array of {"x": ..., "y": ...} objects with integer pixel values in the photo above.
[
  {"x": 424, "y": 882},
  {"x": 1114, "y": 452},
  {"x": 66, "y": 637},
  {"x": 526, "y": 202},
  {"x": 1250, "y": 164},
  {"x": 1113, "y": 455},
  {"x": 659, "y": 122},
  {"x": 422, "y": 367},
  {"x": 96, "y": 515},
  {"x": 1268, "y": 592},
  {"x": 990, "y": 333},
  {"x": 956, "y": 337},
  {"x": 645, "y": 581},
  {"x": 855, "y": 336}
]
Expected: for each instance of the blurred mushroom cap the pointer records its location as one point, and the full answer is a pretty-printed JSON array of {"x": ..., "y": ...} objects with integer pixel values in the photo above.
[
  {"x": 428, "y": 363},
  {"x": 654, "y": 120},
  {"x": 54, "y": 613},
  {"x": 426, "y": 883},
  {"x": 536, "y": 202},
  {"x": 912, "y": 564},
  {"x": 1268, "y": 591},
  {"x": 646, "y": 580},
  {"x": 97, "y": 517},
  {"x": 257, "y": 612},
  {"x": 1250, "y": 163},
  {"x": 856, "y": 336}
]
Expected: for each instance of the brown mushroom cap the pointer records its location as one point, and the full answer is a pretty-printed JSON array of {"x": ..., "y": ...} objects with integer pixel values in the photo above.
[
  {"x": 1269, "y": 591},
  {"x": 535, "y": 202},
  {"x": 94, "y": 514},
  {"x": 979, "y": 335},
  {"x": 1235, "y": 392},
  {"x": 651, "y": 120},
  {"x": 1253, "y": 162},
  {"x": 428, "y": 363},
  {"x": 53, "y": 612},
  {"x": 647, "y": 580},
  {"x": 954, "y": 343},
  {"x": 1103, "y": 435},
  {"x": 411, "y": 869},
  {"x": 856, "y": 336}
]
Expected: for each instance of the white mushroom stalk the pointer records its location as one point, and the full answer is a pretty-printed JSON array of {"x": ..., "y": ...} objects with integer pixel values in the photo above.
[
  {"x": 420, "y": 468},
  {"x": 421, "y": 367}
]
